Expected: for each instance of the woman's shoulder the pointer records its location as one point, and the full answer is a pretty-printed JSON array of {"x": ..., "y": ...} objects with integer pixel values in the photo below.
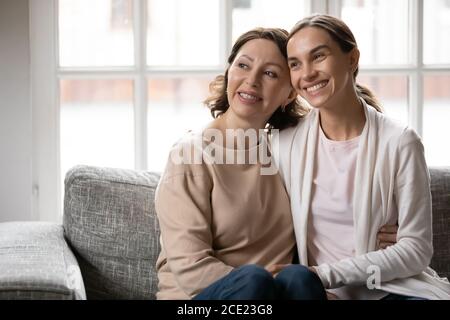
[
  {"x": 189, "y": 140},
  {"x": 302, "y": 125},
  {"x": 185, "y": 156},
  {"x": 394, "y": 131}
]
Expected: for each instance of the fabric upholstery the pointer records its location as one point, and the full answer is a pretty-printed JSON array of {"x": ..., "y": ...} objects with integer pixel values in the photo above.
[
  {"x": 110, "y": 221},
  {"x": 36, "y": 263},
  {"x": 440, "y": 192}
]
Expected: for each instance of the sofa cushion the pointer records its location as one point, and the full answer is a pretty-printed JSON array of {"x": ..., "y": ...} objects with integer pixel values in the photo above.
[
  {"x": 36, "y": 263},
  {"x": 440, "y": 192},
  {"x": 110, "y": 220}
]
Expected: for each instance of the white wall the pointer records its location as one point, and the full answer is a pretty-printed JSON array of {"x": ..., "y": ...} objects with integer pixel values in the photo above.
[{"x": 15, "y": 112}]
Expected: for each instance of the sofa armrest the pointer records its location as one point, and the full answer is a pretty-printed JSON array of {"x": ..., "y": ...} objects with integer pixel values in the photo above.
[{"x": 37, "y": 263}]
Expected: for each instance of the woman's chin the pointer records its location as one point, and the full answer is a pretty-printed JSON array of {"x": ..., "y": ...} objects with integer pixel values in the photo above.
[{"x": 317, "y": 102}]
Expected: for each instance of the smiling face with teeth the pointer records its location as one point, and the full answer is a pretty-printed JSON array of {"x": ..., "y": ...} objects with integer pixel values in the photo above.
[
  {"x": 320, "y": 71},
  {"x": 258, "y": 83}
]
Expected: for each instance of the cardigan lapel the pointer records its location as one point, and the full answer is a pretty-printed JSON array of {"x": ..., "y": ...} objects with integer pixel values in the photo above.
[
  {"x": 306, "y": 166},
  {"x": 362, "y": 197}
]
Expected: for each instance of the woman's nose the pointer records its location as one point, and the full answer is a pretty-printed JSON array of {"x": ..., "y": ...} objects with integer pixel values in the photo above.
[
  {"x": 309, "y": 72},
  {"x": 252, "y": 79}
]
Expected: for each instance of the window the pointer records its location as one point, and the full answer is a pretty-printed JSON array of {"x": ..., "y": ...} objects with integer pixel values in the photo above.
[
  {"x": 176, "y": 39},
  {"x": 405, "y": 59},
  {"x": 95, "y": 33},
  {"x": 436, "y": 47},
  {"x": 266, "y": 13},
  {"x": 96, "y": 122},
  {"x": 380, "y": 43},
  {"x": 391, "y": 91},
  {"x": 119, "y": 62},
  {"x": 436, "y": 116},
  {"x": 117, "y": 82}
]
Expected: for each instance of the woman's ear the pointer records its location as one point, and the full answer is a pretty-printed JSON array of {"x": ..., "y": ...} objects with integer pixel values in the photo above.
[{"x": 354, "y": 59}]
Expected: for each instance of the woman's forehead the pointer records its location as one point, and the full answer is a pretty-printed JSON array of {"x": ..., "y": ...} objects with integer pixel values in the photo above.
[
  {"x": 309, "y": 38},
  {"x": 261, "y": 49}
]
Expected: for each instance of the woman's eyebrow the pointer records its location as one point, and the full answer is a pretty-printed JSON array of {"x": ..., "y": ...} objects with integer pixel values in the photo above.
[
  {"x": 320, "y": 47},
  {"x": 312, "y": 51},
  {"x": 274, "y": 64},
  {"x": 247, "y": 57},
  {"x": 268, "y": 63}
]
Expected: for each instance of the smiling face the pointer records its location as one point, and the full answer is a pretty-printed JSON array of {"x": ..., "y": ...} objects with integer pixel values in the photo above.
[
  {"x": 320, "y": 71},
  {"x": 258, "y": 82}
]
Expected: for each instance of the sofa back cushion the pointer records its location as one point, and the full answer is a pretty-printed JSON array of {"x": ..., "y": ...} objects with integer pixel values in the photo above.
[
  {"x": 440, "y": 192},
  {"x": 110, "y": 222}
]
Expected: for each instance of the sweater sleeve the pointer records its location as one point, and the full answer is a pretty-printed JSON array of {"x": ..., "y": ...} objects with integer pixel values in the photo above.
[
  {"x": 413, "y": 251},
  {"x": 183, "y": 206}
]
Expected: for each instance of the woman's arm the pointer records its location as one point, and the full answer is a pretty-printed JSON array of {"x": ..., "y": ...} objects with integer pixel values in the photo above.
[
  {"x": 413, "y": 251},
  {"x": 183, "y": 206}
]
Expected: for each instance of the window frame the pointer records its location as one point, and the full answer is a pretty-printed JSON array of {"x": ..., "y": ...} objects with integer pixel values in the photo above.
[{"x": 415, "y": 71}]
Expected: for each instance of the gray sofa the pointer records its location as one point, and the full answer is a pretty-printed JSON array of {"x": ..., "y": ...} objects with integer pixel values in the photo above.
[{"x": 109, "y": 241}]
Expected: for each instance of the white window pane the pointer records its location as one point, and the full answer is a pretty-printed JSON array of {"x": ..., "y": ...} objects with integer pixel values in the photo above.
[
  {"x": 96, "y": 33},
  {"x": 248, "y": 14},
  {"x": 96, "y": 123},
  {"x": 175, "y": 106},
  {"x": 436, "y": 129},
  {"x": 392, "y": 92},
  {"x": 380, "y": 28},
  {"x": 436, "y": 47},
  {"x": 183, "y": 33}
]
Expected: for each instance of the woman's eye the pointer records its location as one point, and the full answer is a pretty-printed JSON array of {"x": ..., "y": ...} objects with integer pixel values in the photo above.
[
  {"x": 271, "y": 74},
  {"x": 242, "y": 65},
  {"x": 318, "y": 56},
  {"x": 293, "y": 65}
]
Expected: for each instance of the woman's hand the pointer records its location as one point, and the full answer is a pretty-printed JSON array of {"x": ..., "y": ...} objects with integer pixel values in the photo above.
[
  {"x": 312, "y": 269},
  {"x": 331, "y": 296},
  {"x": 387, "y": 236},
  {"x": 276, "y": 268}
]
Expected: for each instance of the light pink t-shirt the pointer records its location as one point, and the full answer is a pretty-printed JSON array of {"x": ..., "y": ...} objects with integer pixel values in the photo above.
[{"x": 330, "y": 224}]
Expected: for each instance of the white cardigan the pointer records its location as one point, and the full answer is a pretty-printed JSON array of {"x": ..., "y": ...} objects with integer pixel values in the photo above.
[{"x": 391, "y": 182}]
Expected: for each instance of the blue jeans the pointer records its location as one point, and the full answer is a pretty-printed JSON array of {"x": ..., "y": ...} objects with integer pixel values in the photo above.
[{"x": 252, "y": 282}]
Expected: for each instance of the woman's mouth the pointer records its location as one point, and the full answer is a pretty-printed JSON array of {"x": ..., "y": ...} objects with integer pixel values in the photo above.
[
  {"x": 313, "y": 89},
  {"x": 249, "y": 98}
]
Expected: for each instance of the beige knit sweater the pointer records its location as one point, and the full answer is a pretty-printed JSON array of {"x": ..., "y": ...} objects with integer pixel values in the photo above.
[{"x": 215, "y": 217}]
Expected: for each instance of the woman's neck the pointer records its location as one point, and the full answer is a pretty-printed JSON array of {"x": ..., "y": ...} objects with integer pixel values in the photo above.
[
  {"x": 232, "y": 126},
  {"x": 344, "y": 120}
]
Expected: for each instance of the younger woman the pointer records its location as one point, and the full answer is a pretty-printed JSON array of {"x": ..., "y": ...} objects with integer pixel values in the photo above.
[{"x": 348, "y": 170}]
